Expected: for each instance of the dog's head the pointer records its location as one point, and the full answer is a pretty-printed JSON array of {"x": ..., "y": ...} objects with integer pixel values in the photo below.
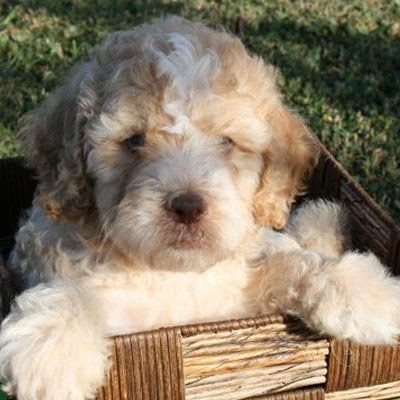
[{"x": 174, "y": 139}]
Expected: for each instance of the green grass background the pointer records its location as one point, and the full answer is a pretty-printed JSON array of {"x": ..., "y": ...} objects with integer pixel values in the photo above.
[{"x": 339, "y": 62}]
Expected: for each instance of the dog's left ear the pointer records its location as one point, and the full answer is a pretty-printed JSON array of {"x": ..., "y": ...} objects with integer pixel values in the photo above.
[{"x": 291, "y": 156}]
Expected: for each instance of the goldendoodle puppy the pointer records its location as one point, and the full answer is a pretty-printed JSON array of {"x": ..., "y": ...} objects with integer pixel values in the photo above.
[{"x": 164, "y": 164}]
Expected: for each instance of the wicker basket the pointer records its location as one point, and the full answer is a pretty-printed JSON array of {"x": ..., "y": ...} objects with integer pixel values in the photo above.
[{"x": 269, "y": 357}]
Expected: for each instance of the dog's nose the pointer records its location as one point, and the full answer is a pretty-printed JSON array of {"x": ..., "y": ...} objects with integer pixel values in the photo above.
[{"x": 187, "y": 208}]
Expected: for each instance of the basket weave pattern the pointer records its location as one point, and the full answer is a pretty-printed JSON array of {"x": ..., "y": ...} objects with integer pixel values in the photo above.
[{"x": 270, "y": 357}]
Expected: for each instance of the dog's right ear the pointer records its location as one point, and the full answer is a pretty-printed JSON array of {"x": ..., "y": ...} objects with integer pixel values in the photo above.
[
  {"x": 293, "y": 153},
  {"x": 53, "y": 141}
]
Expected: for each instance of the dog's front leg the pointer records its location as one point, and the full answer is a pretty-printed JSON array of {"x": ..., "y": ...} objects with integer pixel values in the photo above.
[
  {"x": 352, "y": 297},
  {"x": 52, "y": 344}
]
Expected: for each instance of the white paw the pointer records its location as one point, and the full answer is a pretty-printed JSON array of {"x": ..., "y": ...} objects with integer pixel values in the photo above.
[
  {"x": 355, "y": 299},
  {"x": 320, "y": 226},
  {"x": 51, "y": 345}
]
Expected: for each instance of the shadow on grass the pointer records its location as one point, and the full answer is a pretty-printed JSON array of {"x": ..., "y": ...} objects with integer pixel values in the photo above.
[
  {"x": 118, "y": 13},
  {"x": 352, "y": 70}
]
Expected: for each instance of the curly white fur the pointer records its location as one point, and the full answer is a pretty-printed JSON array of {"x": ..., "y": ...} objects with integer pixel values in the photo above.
[
  {"x": 321, "y": 226},
  {"x": 102, "y": 250},
  {"x": 55, "y": 321}
]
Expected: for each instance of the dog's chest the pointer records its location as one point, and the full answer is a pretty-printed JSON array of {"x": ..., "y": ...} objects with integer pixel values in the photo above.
[{"x": 149, "y": 300}]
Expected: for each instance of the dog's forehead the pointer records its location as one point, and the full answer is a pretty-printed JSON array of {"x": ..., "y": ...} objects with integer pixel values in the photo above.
[
  {"x": 200, "y": 91},
  {"x": 190, "y": 70},
  {"x": 188, "y": 82}
]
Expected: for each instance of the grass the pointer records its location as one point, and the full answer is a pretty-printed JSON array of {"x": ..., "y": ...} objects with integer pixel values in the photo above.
[{"x": 339, "y": 63}]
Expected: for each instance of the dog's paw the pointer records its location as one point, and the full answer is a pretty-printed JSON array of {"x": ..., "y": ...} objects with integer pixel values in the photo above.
[
  {"x": 268, "y": 244},
  {"x": 320, "y": 226},
  {"x": 52, "y": 345},
  {"x": 355, "y": 299}
]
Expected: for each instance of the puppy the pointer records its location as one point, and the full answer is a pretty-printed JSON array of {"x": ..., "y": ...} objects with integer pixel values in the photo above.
[{"x": 164, "y": 164}]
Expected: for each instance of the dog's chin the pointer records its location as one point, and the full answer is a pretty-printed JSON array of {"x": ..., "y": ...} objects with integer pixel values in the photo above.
[
  {"x": 193, "y": 248},
  {"x": 187, "y": 257},
  {"x": 184, "y": 253}
]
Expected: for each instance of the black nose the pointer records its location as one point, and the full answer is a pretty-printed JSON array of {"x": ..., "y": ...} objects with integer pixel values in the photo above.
[{"x": 187, "y": 207}]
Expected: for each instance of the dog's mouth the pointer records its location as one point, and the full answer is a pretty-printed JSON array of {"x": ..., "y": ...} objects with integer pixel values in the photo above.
[{"x": 188, "y": 237}]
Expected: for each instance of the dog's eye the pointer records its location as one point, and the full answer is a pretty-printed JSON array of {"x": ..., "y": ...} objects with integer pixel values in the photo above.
[
  {"x": 226, "y": 143},
  {"x": 135, "y": 141}
]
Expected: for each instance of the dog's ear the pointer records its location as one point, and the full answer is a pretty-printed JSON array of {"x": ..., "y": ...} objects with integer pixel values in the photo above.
[
  {"x": 292, "y": 154},
  {"x": 53, "y": 140}
]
